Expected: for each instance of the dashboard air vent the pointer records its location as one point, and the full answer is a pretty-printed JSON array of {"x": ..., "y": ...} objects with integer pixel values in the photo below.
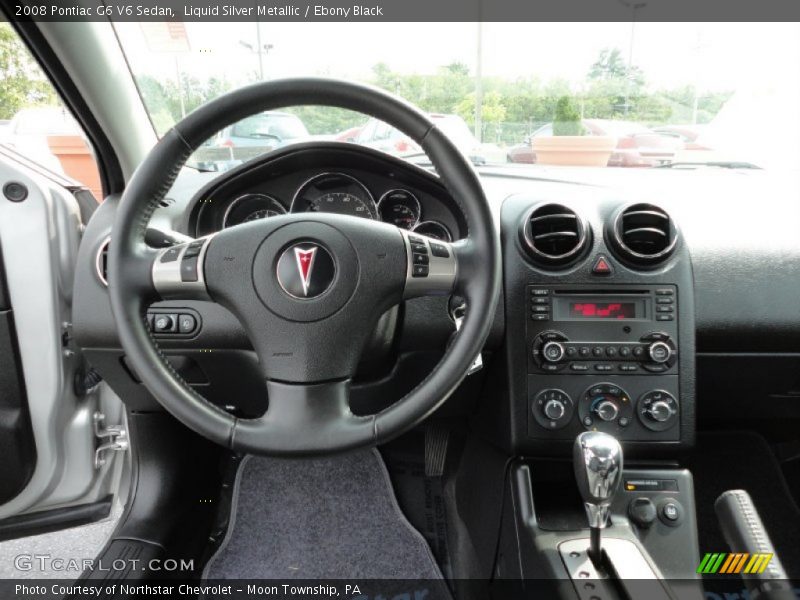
[
  {"x": 101, "y": 262},
  {"x": 554, "y": 234},
  {"x": 644, "y": 234}
]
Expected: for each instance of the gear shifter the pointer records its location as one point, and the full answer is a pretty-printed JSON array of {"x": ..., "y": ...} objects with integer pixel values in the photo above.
[{"x": 597, "y": 460}]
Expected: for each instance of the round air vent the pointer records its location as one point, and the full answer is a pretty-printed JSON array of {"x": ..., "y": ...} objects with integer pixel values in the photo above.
[
  {"x": 643, "y": 234},
  {"x": 554, "y": 234}
]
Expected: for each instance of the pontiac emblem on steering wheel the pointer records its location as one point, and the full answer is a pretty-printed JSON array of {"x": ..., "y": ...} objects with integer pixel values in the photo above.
[{"x": 305, "y": 270}]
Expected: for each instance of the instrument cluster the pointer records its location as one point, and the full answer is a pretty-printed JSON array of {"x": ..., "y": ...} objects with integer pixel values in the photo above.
[{"x": 340, "y": 193}]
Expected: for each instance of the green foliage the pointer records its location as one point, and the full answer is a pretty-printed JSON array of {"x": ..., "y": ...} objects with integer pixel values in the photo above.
[
  {"x": 511, "y": 108},
  {"x": 21, "y": 82},
  {"x": 567, "y": 120}
]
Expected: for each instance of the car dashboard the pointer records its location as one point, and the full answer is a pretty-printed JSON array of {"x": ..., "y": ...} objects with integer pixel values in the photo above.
[{"x": 633, "y": 303}]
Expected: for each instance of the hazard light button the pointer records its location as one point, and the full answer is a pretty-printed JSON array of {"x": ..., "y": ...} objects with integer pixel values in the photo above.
[{"x": 602, "y": 266}]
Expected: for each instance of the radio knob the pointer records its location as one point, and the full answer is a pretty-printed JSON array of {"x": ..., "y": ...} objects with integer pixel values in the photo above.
[
  {"x": 554, "y": 409},
  {"x": 607, "y": 410},
  {"x": 553, "y": 352},
  {"x": 659, "y": 352},
  {"x": 659, "y": 411}
]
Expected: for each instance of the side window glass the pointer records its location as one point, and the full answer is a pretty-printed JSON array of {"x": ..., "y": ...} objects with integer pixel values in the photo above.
[{"x": 33, "y": 121}]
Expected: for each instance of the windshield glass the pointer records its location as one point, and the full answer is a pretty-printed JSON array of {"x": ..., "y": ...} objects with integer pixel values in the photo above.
[{"x": 658, "y": 94}]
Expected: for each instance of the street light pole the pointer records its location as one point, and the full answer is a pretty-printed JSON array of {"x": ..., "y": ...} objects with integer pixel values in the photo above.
[
  {"x": 479, "y": 85},
  {"x": 260, "y": 58}
]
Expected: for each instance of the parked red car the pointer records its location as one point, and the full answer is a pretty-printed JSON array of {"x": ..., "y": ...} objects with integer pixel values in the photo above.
[{"x": 637, "y": 146}]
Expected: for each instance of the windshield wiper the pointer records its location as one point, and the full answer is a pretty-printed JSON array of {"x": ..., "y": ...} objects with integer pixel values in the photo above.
[{"x": 721, "y": 164}]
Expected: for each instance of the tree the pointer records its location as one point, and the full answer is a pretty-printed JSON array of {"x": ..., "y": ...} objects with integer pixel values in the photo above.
[
  {"x": 22, "y": 82},
  {"x": 567, "y": 119}
]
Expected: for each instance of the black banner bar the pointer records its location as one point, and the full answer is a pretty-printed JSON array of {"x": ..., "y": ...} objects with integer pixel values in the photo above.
[{"x": 404, "y": 10}]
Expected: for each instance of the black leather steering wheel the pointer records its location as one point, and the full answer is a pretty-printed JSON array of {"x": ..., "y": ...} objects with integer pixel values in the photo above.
[{"x": 308, "y": 288}]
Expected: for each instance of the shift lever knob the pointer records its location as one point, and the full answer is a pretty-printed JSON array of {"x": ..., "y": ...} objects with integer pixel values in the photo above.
[{"x": 597, "y": 460}]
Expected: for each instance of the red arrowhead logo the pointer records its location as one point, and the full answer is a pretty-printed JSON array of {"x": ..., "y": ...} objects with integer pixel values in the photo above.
[{"x": 305, "y": 263}]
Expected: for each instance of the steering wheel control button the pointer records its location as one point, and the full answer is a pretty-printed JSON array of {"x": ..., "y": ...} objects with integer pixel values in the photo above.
[
  {"x": 670, "y": 512},
  {"x": 642, "y": 512},
  {"x": 189, "y": 268},
  {"x": 439, "y": 250},
  {"x": 658, "y": 410},
  {"x": 421, "y": 259},
  {"x": 552, "y": 408},
  {"x": 602, "y": 266},
  {"x": 171, "y": 255},
  {"x": 420, "y": 271},
  {"x": 305, "y": 270}
]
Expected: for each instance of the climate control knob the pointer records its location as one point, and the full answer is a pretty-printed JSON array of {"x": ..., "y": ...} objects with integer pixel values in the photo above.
[
  {"x": 553, "y": 352},
  {"x": 659, "y": 411},
  {"x": 659, "y": 352},
  {"x": 554, "y": 410},
  {"x": 606, "y": 410}
]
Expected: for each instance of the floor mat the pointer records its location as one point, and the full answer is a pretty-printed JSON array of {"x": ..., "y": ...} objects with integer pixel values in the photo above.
[
  {"x": 422, "y": 500},
  {"x": 319, "y": 518},
  {"x": 743, "y": 460}
]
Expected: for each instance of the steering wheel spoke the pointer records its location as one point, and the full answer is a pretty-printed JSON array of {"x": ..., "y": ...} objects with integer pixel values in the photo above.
[
  {"x": 305, "y": 418},
  {"x": 178, "y": 271}
]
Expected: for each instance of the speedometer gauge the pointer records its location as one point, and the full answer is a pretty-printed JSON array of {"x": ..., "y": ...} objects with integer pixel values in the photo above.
[
  {"x": 435, "y": 230},
  {"x": 251, "y": 207},
  {"x": 335, "y": 193},
  {"x": 400, "y": 207}
]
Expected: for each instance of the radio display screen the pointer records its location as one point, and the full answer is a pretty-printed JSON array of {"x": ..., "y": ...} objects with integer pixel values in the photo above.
[
  {"x": 597, "y": 307},
  {"x": 602, "y": 310}
]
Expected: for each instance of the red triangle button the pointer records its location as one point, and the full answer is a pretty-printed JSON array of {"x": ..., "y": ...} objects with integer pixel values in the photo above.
[{"x": 602, "y": 266}]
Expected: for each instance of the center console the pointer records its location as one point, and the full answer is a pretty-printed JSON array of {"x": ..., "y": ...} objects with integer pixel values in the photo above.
[
  {"x": 600, "y": 325},
  {"x": 599, "y": 308}
]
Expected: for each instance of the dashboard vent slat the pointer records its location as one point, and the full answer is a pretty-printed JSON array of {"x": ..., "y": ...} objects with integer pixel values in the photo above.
[
  {"x": 554, "y": 234},
  {"x": 644, "y": 234}
]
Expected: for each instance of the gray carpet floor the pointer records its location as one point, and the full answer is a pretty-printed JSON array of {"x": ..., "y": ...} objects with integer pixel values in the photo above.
[
  {"x": 319, "y": 518},
  {"x": 76, "y": 543}
]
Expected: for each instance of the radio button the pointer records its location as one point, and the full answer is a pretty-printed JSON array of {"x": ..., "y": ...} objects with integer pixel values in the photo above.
[
  {"x": 539, "y": 317},
  {"x": 638, "y": 351},
  {"x": 659, "y": 352},
  {"x": 629, "y": 368},
  {"x": 665, "y": 300},
  {"x": 597, "y": 351},
  {"x": 540, "y": 300},
  {"x": 603, "y": 367},
  {"x": 665, "y": 318},
  {"x": 540, "y": 309},
  {"x": 572, "y": 351},
  {"x": 624, "y": 351},
  {"x": 665, "y": 309},
  {"x": 553, "y": 352},
  {"x": 584, "y": 351},
  {"x": 611, "y": 351},
  {"x": 579, "y": 367},
  {"x": 539, "y": 292},
  {"x": 665, "y": 292}
]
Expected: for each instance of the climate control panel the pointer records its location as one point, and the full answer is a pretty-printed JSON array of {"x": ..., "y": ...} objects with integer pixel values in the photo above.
[{"x": 607, "y": 407}]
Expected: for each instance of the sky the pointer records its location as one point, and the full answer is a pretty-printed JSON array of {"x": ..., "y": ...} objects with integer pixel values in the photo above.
[{"x": 716, "y": 56}]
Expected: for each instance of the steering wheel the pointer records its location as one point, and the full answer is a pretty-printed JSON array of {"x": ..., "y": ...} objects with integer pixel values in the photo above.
[{"x": 308, "y": 288}]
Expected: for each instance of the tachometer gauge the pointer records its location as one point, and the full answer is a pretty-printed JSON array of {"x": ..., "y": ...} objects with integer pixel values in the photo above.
[
  {"x": 251, "y": 207},
  {"x": 400, "y": 207},
  {"x": 335, "y": 193},
  {"x": 434, "y": 229}
]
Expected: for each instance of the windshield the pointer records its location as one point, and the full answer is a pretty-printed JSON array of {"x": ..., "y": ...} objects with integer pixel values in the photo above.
[{"x": 529, "y": 94}]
